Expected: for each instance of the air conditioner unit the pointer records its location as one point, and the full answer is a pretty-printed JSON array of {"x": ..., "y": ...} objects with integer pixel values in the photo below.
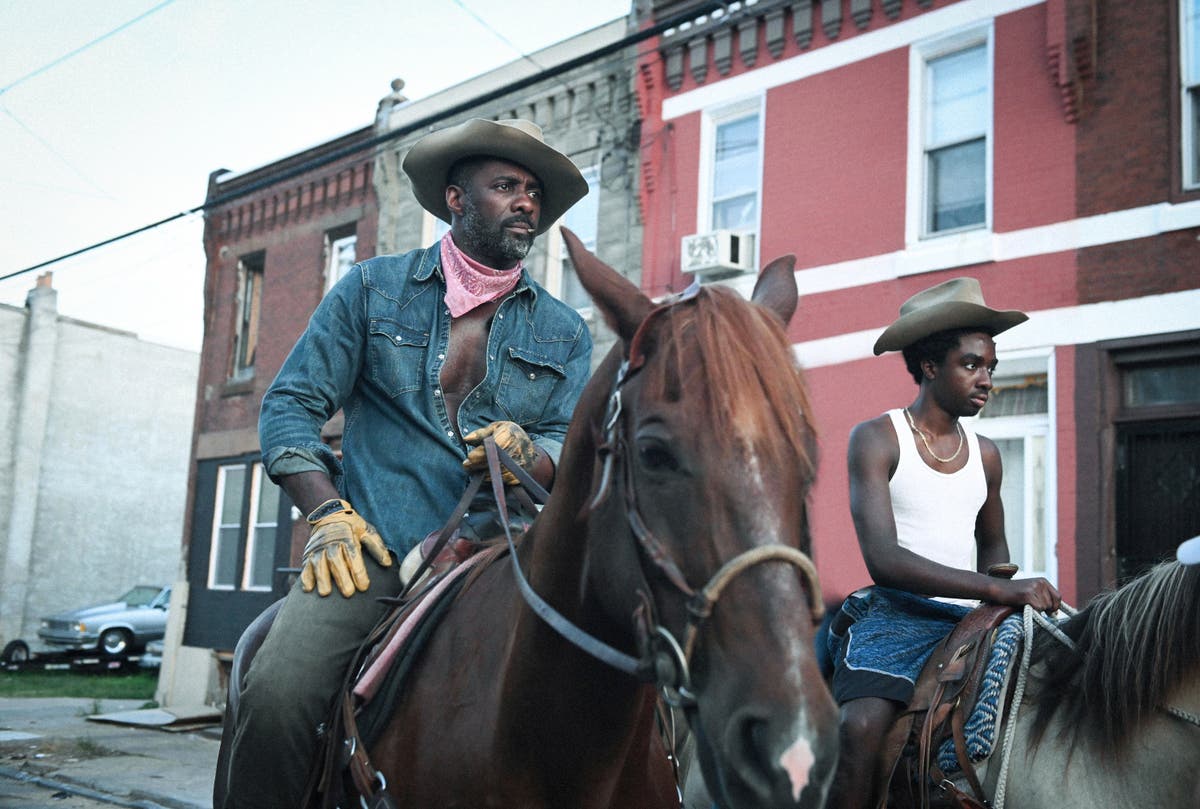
[{"x": 718, "y": 253}]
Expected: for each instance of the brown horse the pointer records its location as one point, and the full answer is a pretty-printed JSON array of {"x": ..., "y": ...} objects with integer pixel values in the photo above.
[
  {"x": 671, "y": 554},
  {"x": 1110, "y": 715},
  {"x": 678, "y": 512}
]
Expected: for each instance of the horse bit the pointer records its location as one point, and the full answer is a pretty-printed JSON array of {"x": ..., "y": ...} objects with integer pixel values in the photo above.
[{"x": 664, "y": 661}]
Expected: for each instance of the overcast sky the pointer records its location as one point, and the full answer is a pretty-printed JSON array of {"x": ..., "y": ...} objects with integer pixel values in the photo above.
[{"x": 113, "y": 114}]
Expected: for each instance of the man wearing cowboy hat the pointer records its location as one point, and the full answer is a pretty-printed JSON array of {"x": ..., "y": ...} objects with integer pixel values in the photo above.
[
  {"x": 426, "y": 353},
  {"x": 925, "y": 497}
]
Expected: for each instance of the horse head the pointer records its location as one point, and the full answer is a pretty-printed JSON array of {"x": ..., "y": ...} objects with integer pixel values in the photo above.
[{"x": 702, "y": 457}]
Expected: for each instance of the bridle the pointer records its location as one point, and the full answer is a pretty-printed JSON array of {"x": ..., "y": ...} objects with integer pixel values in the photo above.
[{"x": 663, "y": 659}]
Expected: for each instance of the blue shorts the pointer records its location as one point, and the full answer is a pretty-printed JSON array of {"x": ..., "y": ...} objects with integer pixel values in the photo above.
[{"x": 882, "y": 638}]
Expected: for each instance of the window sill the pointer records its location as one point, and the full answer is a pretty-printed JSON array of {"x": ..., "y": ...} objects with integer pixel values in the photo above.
[
  {"x": 238, "y": 387},
  {"x": 947, "y": 252}
]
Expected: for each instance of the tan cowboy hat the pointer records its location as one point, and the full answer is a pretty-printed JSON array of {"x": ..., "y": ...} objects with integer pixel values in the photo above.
[
  {"x": 954, "y": 304},
  {"x": 516, "y": 140}
]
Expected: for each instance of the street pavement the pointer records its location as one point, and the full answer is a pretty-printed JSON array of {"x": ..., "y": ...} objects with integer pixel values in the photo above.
[{"x": 52, "y": 755}]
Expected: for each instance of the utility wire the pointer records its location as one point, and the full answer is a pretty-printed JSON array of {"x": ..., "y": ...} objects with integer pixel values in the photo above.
[
  {"x": 399, "y": 132},
  {"x": 49, "y": 148},
  {"x": 83, "y": 47}
]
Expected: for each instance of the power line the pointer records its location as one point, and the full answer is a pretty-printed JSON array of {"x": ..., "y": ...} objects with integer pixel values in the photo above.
[
  {"x": 83, "y": 47},
  {"x": 399, "y": 132},
  {"x": 50, "y": 148}
]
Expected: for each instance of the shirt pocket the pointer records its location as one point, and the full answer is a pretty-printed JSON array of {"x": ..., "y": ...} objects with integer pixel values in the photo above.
[
  {"x": 527, "y": 383},
  {"x": 397, "y": 356}
]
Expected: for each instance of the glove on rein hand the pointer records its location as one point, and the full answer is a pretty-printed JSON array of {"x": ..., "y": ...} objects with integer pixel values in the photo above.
[
  {"x": 334, "y": 550},
  {"x": 509, "y": 437}
]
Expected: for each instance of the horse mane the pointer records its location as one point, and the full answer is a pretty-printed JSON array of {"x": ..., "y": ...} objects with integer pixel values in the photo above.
[
  {"x": 1134, "y": 646},
  {"x": 733, "y": 358}
]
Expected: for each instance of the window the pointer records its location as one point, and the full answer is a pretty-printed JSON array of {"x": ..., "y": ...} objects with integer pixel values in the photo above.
[
  {"x": 1017, "y": 420},
  {"x": 1189, "y": 74},
  {"x": 245, "y": 523},
  {"x": 731, "y": 168},
  {"x": 341, "y": 251},
  {"x": 250, "y": 282},
  {"x": 953, "y": 113},
  {"x": 584, "y": 220}
]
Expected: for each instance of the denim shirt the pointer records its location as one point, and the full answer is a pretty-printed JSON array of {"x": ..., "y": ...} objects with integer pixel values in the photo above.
[{"x": 375, "y": 347}]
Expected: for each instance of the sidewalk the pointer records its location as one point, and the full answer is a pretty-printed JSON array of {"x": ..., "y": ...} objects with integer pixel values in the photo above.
[{"x": 51, "y": 739}]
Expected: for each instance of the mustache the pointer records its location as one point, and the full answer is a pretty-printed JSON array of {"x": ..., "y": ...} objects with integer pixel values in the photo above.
[{"x": 519, "y": 219}]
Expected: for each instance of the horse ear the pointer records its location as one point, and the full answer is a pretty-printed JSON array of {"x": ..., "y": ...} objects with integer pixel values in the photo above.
[
  {"x": 776, "y": 288},
  {"x": 620, "y": 301}
]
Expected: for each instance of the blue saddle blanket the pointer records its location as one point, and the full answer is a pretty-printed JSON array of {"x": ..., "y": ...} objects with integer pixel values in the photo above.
[{"x": 983, "y": 725}]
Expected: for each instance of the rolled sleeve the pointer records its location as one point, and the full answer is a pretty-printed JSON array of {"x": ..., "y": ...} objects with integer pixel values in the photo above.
[{"x": 312, "y": 384}]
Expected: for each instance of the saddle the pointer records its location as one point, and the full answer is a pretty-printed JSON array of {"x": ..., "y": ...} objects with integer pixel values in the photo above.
[{"x": 943, "y": 699}]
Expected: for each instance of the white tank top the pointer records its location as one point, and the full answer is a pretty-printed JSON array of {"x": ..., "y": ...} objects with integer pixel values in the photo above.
[{"x": 935, "y": 512}]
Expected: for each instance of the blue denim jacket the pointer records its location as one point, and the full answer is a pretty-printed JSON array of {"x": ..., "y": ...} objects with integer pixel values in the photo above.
[{"x": 375, "y": 347}]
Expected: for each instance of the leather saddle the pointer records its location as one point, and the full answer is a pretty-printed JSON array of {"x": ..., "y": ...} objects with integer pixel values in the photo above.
[{"x": 943, "y": 699}]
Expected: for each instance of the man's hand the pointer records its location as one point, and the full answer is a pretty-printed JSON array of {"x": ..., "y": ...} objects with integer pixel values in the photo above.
[
  {"x": 334, "y": 550},
  {"x": 510, "y": 438},
  {"x": 1038, "y": 593}
]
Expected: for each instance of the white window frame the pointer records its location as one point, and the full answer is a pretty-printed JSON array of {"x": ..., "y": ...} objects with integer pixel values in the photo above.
[
  {"x": 919, "y": 56},
  {"x": 556, "y": 249},
  {"x": 332, "y": 249},
  {"x": 710, "y": 120},
  {"x": 1189, "y": 139},
  {"x": 1015, "y": 363},
  {"x": 255, "y": 475}
]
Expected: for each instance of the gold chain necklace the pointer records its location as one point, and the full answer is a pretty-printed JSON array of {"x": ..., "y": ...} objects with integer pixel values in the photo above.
[{"x": 925, "y": 440}]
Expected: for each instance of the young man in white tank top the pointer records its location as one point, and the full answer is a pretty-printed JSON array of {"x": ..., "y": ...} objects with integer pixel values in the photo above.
[{"x": 925, "y": 496}]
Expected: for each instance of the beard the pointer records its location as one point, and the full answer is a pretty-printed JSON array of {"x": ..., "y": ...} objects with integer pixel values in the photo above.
[{"x": 497, "y": 246}]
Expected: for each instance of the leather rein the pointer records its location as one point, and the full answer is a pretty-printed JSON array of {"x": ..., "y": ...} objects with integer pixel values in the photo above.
[{"x": 663, "y": 659}]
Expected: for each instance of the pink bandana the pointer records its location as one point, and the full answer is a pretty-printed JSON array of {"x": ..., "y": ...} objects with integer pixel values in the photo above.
[{"x": 469, "y": 283}]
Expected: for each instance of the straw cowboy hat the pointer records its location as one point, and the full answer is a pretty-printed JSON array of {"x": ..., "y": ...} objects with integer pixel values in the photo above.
[
  {"x": 428, "y": 163},
  {"x": 954, "y": 304}
]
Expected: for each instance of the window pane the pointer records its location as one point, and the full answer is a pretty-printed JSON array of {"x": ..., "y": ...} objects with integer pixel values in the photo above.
[
  {"x": 1037, "y": 495},
  {"x": 736, "y": 171},
  {"x": 250, "y": 275},
  {"x": 958, "y": 96},
  {"x": 735, "y": 214},
  {"x": 1194, "y": 102},
  {"x": 957, "y": 186},
  {"x": 226, "y": 556},
  {"x": 342, "y": 255},
  {"x": 1173, "y": 383},
  {"x": 1017, "y": 396},
  {"x": 584, "y": 220},
  {"x": 232, "y": 495},
  {"x": 262, "y": 556},
  {"x": 1191, "y": 26},
  {"x": 1012, "y": 494},
  {"x": 268, "y": 498}
]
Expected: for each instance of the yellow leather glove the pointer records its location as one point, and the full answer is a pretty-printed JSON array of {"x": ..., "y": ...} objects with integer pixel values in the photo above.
[
  {"x": 510, "y": 438},
  {"x": 334, "y": 550}
]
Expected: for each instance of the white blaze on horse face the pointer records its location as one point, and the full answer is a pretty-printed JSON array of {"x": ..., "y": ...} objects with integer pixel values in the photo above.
[
  {"x": 797, "y": 761},
  {"x": 767, "y": 527}
]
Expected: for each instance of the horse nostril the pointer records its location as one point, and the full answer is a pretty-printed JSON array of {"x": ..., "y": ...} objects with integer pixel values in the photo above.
[{"x": 748, "y": 749}]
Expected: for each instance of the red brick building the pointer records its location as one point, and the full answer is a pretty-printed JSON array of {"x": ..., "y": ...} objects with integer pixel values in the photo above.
[
  {"x": 1048, "y": 148},
  {"x": 275, "y": 239}
]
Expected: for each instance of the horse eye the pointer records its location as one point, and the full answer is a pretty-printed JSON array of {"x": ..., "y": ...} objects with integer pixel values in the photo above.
[{"x": 656, "y": 457}]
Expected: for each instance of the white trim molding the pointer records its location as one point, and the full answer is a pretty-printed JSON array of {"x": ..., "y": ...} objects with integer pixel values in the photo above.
[{"x": 931, "y": 24}]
